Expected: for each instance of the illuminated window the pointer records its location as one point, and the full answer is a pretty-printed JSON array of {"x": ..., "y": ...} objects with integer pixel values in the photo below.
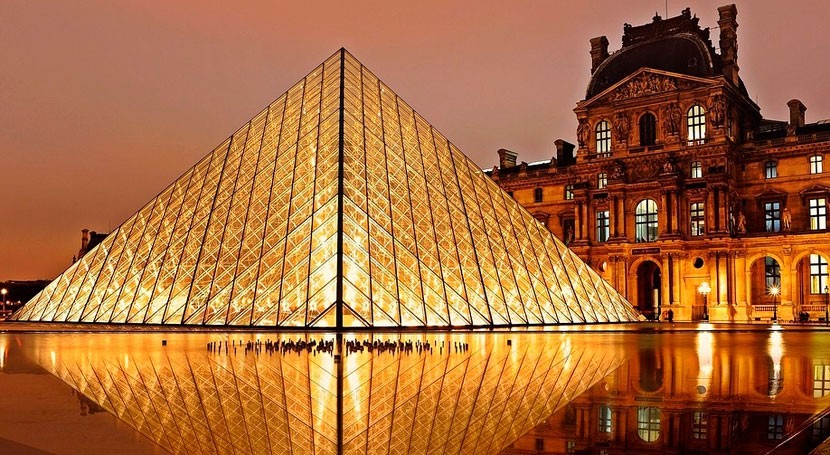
[
  {"x": 818, "y": 274},
  {"x": 537, "y": 195},
  {"x": 696, "y": 122},
  {"x": 569, "y": 191},
  {"x": 697, "y": 218},
  {"x": 772, "y": 216},
  {"x": 770, "y": 170},
  {"x": 645, "y": 221},
  {"x": 603, "y": 135},
  {"x": 697, "y": 170},
  {"x": 604, "y": 419},
  {"x": 816, "y": 165},
  {"x": 603, "y": 225},
  {"x": 648, "y": 129},
  {"x": 570, "y": 447},
  {"x": 648, "y": 423},
  {"x": 700, "y": 425},
  {"x": 821, "y": 381},
  {"x": 775, "y": 427},
  {"x": 772, "y": 272},
  {"x": 602, "y": 180},
  {"x": 818, "y": 214}
]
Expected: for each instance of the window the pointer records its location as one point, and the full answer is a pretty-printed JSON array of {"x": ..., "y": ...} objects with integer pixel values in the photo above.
[
  {"x": 770, "y": 170},
  {"x": 603, "y": 225},
  {"x": 697, "y": 170},
  {"x": 696, "y": 122},
  {"x": 648, "y": 129},
  {"x": 772, "y": 216},
  {"x": 604, "y": 419},
  {"x": 603, "y": 132},
  {"x": 700, "y": 425},
  {"x": 816, "y": 166},
  {"x": 775, "y": 427},
  {"x": 821, "y": 381},
  {"x": 697, "y": 218},
  {"x": 602, "y": 180},
  {"x": 821, "y": 429},
  {"x": 772, "y": 272},
  {"x": 537, "y": 195},
  {"x": 818, "y": 274},
  {"x": 540, "y": 444},
  {"x": 569, "y": 191},
  {"x": 645, "y": 221},
  {"x": 570, "y": 446},
  {"x": 648, "y": 423},
  {"x": 818, "y": 214}
]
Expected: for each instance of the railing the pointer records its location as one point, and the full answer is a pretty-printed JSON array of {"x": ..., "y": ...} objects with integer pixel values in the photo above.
[
  {"x": 813, "y": 307},
  {"x": 769, "y": 308}
]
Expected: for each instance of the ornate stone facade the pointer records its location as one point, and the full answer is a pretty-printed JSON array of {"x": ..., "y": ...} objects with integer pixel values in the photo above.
[{"x": 677, "y": 180}]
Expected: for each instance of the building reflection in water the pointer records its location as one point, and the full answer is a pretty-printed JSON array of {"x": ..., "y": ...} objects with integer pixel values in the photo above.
[
  {"x": 699, "y": 393},
  {"x": 451, "y": 399}
]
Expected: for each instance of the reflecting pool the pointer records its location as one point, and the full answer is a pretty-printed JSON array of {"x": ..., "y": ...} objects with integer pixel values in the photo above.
[{"x": 511, "y": 392}]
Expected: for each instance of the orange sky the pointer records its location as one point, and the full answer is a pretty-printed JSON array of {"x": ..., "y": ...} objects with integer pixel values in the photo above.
[{"x": 103, "y": 105}]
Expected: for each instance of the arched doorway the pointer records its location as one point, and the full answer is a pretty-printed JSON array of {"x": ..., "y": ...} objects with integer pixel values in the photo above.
[
  {"x": 648, "y": 290},
  {"x": 765, "y": 274}
]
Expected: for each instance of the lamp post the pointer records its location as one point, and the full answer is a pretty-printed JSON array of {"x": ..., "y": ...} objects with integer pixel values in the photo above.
[
  {"x": 826, "y": 304},
  {"x": 774, "y": 291},
  {"x": 704, "y": 290},
  {"x": 4, "y": 291}
]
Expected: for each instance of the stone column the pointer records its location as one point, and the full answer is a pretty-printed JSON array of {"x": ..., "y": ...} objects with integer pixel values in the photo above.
[
  {"x": 664, "y": 218},
  {"x": 741, "y": 288}
]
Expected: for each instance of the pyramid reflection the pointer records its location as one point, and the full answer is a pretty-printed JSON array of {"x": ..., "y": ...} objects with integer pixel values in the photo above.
[{"x": 447, "y": 400}]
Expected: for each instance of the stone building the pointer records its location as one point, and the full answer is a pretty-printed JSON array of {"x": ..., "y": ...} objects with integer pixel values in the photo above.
[
  {"x": 678, "y": 191},
  {"x": 692, "y": 396}
]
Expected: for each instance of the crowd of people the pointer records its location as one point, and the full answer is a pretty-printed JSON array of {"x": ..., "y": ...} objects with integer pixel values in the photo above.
[{"x": 328, "y": 346}]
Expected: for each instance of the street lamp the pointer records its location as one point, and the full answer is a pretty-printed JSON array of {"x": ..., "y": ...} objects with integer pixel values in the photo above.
[
  {"x": 704, "y": 290},
  {"x": 774, "y": 291},
  {"x": 4, "y": 291}
]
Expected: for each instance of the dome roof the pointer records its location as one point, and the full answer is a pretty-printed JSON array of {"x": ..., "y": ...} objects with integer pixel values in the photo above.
[{"x": 684, "y": 53}]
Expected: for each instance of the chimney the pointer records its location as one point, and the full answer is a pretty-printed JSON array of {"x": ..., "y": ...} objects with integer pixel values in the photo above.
[
  {"x": 507, "y": 158},
  {"x": 797, "y": 109},
  {"x": 599, "y": 51},
  {"x": 564, "y": 153},
  {"x": 729, "y": 42},
  {"x": 84, "y": 239}
]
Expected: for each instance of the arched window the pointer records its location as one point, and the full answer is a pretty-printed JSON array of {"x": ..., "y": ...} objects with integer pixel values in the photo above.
[
  {"x": 603, "y": 135},
  {"x": 772, "y": 272},
  {"x": 645, "y": 221},
  {"x": 648, "y": 129},
  {"x": 696, "y": 122},
  {"x": 648, "y": 423}
]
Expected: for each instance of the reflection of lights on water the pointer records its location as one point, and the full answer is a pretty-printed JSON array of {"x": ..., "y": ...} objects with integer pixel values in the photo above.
[
  {"x": 2, "y": 353},
  {"x": 704, "y": 345},
  {"x": 776, "y": 351},
  {"x": 52, "y": 357}
]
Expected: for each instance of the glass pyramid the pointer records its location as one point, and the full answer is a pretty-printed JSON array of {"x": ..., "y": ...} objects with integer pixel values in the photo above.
[
  {"x": 190, "y": 400},
  {"x": 336, "y": 206}
]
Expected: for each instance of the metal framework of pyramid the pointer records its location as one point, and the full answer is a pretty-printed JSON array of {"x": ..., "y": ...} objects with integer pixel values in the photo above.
[{"x": 336, "y": 206}]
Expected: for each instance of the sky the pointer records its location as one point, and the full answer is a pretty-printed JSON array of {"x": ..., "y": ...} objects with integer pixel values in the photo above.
[{"x": 104, "y": 103}]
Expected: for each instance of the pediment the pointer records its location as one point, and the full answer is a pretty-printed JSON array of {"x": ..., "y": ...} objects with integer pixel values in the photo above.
[{"x": 647, "y": 82}]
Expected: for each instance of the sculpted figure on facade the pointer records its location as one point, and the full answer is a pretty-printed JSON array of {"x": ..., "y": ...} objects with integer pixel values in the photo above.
[
  {"x": 671, "y": 120},
  {"x": 741, "y": 227},
  {"x": 717, "y": 110},
  {"x": 623, "y": 125},
  {"x": 786, "y": 219},
  {"x": 583, "y": 133},
  {"x": 644, "y": 84},
  {"x": 668, "y": 166},
  {"x": 617, "y": 171}
]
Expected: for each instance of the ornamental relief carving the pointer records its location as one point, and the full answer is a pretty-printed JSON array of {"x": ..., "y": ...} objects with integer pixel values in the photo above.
[{"x": 644, "y": 84}]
